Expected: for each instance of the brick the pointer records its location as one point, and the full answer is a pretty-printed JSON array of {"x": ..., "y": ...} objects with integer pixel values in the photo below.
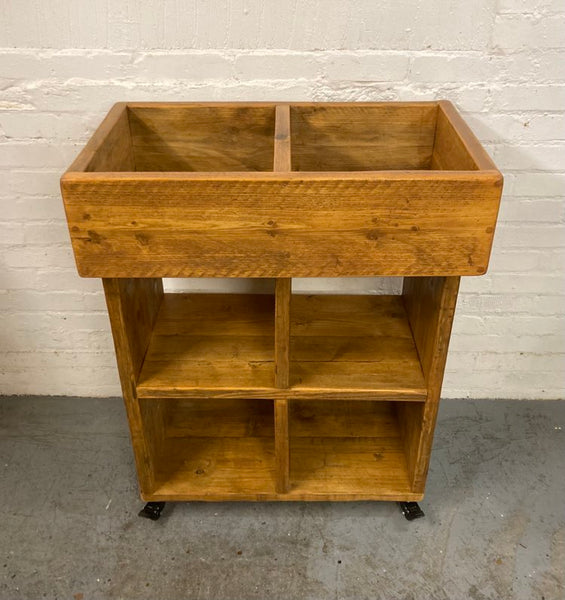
[
  {"x": 375, "y": 67},
  {"x": 517, "y": 127},
  {"x": 529, "y": 97},
  {"x": 514, "y": 32},
  {"x": 441, "y": 68},
  {"x": 64, "y": 64},
  {"x": 527, "y": 6},
  {"x": 277, "y": 66},
  {"x": 539, "y": 184},
  {"x": 31, "y": 183},
  {"x": 547, "y": 157},
  {"x": 531, "y": 210},
  {"x": 186, "y": 66}
]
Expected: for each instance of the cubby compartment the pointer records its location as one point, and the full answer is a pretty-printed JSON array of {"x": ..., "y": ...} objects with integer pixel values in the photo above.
[
  {"x": 203, "y": 450},
  {"x": 210, "y": 345},
  {"x": 351, "y": 450},
  {"x": 353, "y": 347},
  {"x": 362, "y": 137}
]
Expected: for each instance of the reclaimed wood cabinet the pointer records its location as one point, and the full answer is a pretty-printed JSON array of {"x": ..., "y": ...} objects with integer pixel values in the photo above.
[{"x": 281, "y": 396}]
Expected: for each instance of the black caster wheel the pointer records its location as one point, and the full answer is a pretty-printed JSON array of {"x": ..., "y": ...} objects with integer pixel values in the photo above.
[
  {"x": 411, "y": 510},
  {"x": 152, "y": 510}
]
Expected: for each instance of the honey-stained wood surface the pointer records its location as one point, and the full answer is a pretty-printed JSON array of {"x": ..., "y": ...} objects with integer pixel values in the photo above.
[
  {"x": 109, "y": 148},
  {"x": 349, "y": 448},
  {"x": 132, "y": 308},
  {"x": 211, "y": 345},
  {"x": 223, "y": 345},
  {"x": 430, "y": 306},
  {"x": 456, "y": 146},
  {"x": 224, "y": 450},
  {"x": 264, "y": 221},
  {"x": 358, "y": 137},
  {"x": 202, "y": 138},
  {"x": 282, "y": 226},
  {"x": 282, "y": 332},
  {"x": 353, "y": 347},
  {"x": 282, "y": 448},
  {"x": 282, "y": 160}
]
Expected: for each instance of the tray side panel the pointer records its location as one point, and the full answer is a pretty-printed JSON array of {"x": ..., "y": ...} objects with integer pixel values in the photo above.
[
  {"x": 358, "y": 137},
  {"x": 177, "y": 227},
  {"x": 202, "y": 138}
]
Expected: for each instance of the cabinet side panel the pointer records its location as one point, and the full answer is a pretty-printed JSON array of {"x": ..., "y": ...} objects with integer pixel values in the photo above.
[
  {"x": 141, "y": 299},
  {"x": 125, "y": 309},
  {"x": 430, "y": 305}
]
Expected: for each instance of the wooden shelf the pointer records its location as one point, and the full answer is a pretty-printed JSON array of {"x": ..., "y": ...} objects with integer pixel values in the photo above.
[
  {"x": 353, "y": 347},
  {"x": 221, "y": 450},
  {"x": 222, "y": 345},
  {"x": 225, "y": 450},
  {"x": 347, "y": 451},
  {"x": 211, "y": 345}
]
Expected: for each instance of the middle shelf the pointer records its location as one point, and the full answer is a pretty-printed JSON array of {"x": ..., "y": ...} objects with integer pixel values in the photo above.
[{"x": 223, "y": 346}]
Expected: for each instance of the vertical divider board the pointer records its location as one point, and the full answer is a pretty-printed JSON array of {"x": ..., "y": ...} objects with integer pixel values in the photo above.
[
  {"x": 283, "y": 293},
  {"x": 430, "y": 305},
  {"x": 133, "y": 306}
]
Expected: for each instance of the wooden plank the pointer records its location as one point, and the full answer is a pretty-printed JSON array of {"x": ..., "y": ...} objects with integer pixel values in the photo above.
[
  {"x": 362, "y": 138},
  {"x": 221, "y": 346},
  {"x": 220, "y": 418},
  {"x": 202, "y": 138},
  {"x": 211, "y": 345},
  {"x": 282, "y": 159},
  {"x": 286, "y": 227},
  {"x": 282, "y": 332},
  {"x": 282, "y": 454},
  {"x": 131, "y": 321},
  {"x": 109, "y": 148},
  {"x": 235, "y": 466},
  {"x": 461, "y": 133},
  {"x": 343, "y": 419},
  {"x": 350, "y": 346},
  {"x": 430, "y": 306},
  {"x": 455, "y": 146}
]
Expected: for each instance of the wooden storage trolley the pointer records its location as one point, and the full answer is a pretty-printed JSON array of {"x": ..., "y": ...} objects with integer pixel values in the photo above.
[{"x": 281, "y": 396}]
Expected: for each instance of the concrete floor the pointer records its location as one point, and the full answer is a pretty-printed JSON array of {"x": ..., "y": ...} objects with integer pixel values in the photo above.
[{"x": 494, "y": 526}]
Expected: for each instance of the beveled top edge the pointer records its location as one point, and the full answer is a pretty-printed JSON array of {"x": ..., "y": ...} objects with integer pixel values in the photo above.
[{"x": 420, "y": 174}]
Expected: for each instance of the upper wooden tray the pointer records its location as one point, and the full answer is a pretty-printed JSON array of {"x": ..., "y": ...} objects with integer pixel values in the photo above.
[{"x": 279, "y": 190}]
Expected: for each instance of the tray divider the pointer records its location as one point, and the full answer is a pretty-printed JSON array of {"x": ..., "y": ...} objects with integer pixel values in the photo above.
[{"x": 282, "y": 160}]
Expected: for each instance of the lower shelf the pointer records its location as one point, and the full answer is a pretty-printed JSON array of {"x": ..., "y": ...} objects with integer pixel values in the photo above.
[{"x": 224, "y": 450}]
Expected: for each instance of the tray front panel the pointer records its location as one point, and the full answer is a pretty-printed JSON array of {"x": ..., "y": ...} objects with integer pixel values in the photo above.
[{"x": 152, "y": 226}]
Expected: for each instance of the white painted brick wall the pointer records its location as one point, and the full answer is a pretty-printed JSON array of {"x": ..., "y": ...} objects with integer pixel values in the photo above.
[{"x": 62, "y": 65}]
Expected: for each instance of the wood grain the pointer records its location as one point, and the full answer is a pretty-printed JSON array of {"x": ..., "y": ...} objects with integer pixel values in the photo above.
[
  {"x": 211, "y": 345},
  {"x": 282, "y": 159},
  {"x": 353, "y": 347},
  {"x": 430, "y": 306},
  {"x": 282, "y": 447},
  {"x": 202, "y": 138},
  {"x": 123, "y": 299},
  {"x": 282, "y": 332},
  {"x": 237, "y": 461},
  {"x": 109, "y": 148},
  {"x": 451, "y": 125},
  {"x": 222, "y": 346},
  {"x": 362, "y": 138},
  {"x": 216, "y": 227}
]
